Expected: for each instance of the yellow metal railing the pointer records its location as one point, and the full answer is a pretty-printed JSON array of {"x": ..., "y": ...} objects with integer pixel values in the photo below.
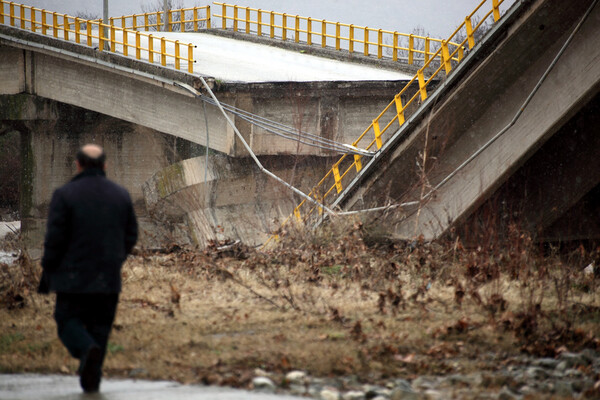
[
  {"x": 94, "y": 33},
  {"x": 354, "y": 39},
  {"x": 181, "y": 20},
  {"x": 346, "y": 168}
]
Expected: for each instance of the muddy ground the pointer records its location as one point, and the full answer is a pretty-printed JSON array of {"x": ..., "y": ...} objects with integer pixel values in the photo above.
[{"x": 336, "y": 304}]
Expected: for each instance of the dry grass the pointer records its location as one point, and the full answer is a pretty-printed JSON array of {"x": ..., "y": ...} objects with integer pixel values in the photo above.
[{"x": 321, "y": 302}]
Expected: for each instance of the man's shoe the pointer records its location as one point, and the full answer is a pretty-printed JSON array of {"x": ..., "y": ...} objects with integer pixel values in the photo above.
[{"x": 90, "y": 370}]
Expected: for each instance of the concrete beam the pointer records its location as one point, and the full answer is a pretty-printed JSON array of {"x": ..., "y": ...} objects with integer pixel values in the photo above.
[{"x": 471, "y": 110}]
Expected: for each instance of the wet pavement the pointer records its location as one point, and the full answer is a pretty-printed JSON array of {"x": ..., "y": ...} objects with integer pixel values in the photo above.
[{"x": 63, "y": 387}]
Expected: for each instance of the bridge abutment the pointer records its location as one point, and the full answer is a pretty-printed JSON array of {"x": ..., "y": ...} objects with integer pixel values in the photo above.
[{"x": 52, "y": 132}]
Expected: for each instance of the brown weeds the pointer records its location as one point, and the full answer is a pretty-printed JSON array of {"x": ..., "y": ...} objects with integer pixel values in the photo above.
[{"x": 325, "y": 302}]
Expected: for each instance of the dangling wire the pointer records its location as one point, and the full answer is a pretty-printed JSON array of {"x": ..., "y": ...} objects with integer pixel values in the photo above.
[
  {"x": 241, "y": 138},
  {"x": 287, "y": 132}
]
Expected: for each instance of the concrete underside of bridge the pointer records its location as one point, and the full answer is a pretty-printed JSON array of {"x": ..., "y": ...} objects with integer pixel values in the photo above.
[
  {"x": 541, "y": 175},
  {"x": 163, "y": 173}
]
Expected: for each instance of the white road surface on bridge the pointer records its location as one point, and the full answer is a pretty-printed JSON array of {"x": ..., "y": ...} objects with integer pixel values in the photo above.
[{"x": 235, "y": 60}]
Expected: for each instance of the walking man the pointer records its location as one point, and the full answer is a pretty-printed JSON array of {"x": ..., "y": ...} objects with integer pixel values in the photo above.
[{"x": 91, "y": 229}]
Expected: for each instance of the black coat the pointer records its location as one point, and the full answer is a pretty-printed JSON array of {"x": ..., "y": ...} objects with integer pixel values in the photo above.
[{"x": 91, "y": 229}]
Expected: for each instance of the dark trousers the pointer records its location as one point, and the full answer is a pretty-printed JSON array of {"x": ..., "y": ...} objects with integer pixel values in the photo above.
[{"x": 85, "y": 320}]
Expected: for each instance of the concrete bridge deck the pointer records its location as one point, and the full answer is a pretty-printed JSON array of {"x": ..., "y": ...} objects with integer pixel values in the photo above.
[{"x": 536, "y": 161}]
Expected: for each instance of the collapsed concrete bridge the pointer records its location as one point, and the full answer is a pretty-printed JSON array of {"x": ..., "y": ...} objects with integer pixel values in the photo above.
[{"x": 60, "y": 94}]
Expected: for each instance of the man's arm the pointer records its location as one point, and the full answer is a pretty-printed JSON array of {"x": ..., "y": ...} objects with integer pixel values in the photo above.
[
  {"x": 131, "y": 230},
  {"x": 57, "y": 233}
]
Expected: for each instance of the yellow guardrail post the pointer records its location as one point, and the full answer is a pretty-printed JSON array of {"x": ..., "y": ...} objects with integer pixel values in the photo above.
[
  {"x": 224, "y": 16},
  {"x": 158, "y": 21},
  {"x": 138, "y": 48},
  {"x": 496, "y": 8},
  {"x": 125, "y": 42},
  {"x": 88, "y": 29},
  {"x": 44, "y": 24},
  {"x": 113, "y": 45},
  {"x": 284, "y": 27},
  {"x": 422, "y": 86},
  {"x": 77, "y": 30},
  {"x": 357, "y": 162},
  {"x": 297, "y": 214},
  {"x": 151, "y": 49},
  {"x": 395, "y": 47},
  {"x": 22, "y": 15},
  {"x": 427, "y": 51},
  {"x": 247, "y": 19},
  {"x": 446, "y": 57},
  {"x": 169, "y": 21},
  {"x": 309, "y": 31},
  {"x": 146, "y": 22},
  {"x": 323, "y": 33},
  {"x": 66, "y": 27},
  {"x": 297, "y": 30},
  {"x": 11, "y": 10},
  {"x": 235, "y": 18},
  {"x": 379, "y": 44},
  {"x": 208, "y": 26},
  {"x": 33, "y": 20},
  {"x": 336, "y": 178},
  {"x": 399, "y": 108},
  {"x": 272, "y": 24},
  {"x": 190, "y": 59},
  {"x": 101, "y": 36},
  {"x": 182, "y": 20},
  {"x": 469, "y": 28},
  {"x": 54, "y": 25},
  {"x": 337, "y": 36},
  {"x": 259, "y": 22},
  {"x": 366, "y": 38},
  {"x": 163, "y": 51},
  {"x": 123, "y": 22},
  {"x": 195, "y": 16},
  {"x": 351, "y": 39},
  {"x": 411, "y": 48},
  {"x": 177, "y": 54},
  {"x": 2, "y": 12},
  {"x": 377, "y": 132}
]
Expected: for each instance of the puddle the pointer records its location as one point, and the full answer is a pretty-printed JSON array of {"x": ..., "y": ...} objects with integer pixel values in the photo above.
[{"x": 63, "y": 387}]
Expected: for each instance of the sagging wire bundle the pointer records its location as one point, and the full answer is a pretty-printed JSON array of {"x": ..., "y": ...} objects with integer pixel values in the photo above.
[
  {"x": 287, "y": 132},
  {"x": 218, "y": 104}
]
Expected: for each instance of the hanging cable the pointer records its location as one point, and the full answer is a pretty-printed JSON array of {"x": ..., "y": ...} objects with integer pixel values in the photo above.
[
  {"x": 241, "y": 138},
  {"x": 286, "y": 132}
]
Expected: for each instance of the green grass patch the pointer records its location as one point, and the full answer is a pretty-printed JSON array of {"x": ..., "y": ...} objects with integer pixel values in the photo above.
[{"x": 9, "y": 339}]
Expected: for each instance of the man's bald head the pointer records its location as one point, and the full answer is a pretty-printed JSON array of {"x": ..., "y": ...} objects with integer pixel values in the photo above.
[{"x": 91, "y": 156}]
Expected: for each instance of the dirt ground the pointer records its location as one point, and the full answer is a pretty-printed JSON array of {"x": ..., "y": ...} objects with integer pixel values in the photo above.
[{"x": 337, "y": 303}]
